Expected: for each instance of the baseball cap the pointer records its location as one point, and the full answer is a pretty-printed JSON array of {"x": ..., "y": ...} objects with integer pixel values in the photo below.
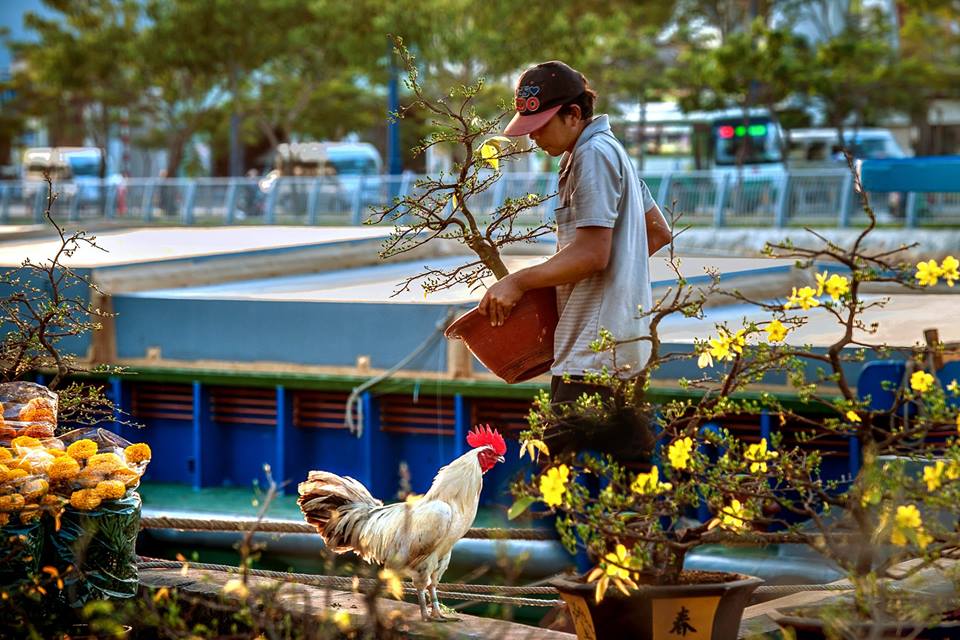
[{"x": 541, "y": 91}]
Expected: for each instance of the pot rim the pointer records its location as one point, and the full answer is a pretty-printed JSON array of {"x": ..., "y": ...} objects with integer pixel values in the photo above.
[{"x": 564, "y": 584}]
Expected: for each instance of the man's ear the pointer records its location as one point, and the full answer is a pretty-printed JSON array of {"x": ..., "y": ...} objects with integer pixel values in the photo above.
[{"x": 574, "y": 113}]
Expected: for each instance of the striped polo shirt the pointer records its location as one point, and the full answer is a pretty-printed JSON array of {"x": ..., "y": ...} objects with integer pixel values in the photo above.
[{"x": 599, "y": 187}]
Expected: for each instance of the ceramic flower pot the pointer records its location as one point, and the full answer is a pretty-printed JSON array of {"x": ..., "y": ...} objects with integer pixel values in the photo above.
[
  {"x": 522, "y": 347},
  {"x": 695, "y": 611}
]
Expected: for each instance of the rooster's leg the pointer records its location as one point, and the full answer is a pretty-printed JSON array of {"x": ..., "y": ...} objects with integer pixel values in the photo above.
[{"x": 422, "y": 596}]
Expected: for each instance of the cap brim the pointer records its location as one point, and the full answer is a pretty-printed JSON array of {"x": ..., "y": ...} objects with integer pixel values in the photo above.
[{"x": 522, "y": 125}]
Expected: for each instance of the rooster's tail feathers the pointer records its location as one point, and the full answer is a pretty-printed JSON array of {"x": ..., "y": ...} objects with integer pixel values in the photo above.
[{"x": 336, "y": 506}]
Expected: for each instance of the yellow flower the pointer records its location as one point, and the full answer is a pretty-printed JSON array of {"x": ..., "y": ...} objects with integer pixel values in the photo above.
[
  {"x": 953, "y": 388},
  {"x": 927, "y": 273},
  {"x": 63, "y": 468},
  {"x": 723, "y": 347},
  {"x": 679, "y": 453},
  {"x": 734, "y": 515},
  {"x": 821, "y": 282},
  {"x": 25, "y": 441},
  {"x": 950, "y": 270},
  {"x": 953, "y": 470},
  {"x": 958, "y": 422},
  {"x": 392, "y": 583},
  {"x": 805, "y": 298},
  {"x": 649, "y": 483},
  {"x": 105, "y": 462},
  {"x": 532, "y": 447},
  {"x": 758, "y": 455},
  {"x": 933, "y": 475},
  {"x": 613, "y": 559},
  {"x": 852, "y": 416},
  {"x": 907, "y": 518},
  {"x": 84, "y": 499},
  {"x": 776, "y": 331},
  {"x": 136, "y": 453},
  {"x": 5, "y": 454},
  {"x": 342, "y": 619},
  {"x": 110, "y": 489},
  {"x": 921, "y": 381},
  {"x": 12, "y": 502},
  {"x": 491, "y": 154},
  {"x": 82, "y": 449},
  {"x": 235, "y": 587},
  {"x": 705, "y": 360},
  {"x": 872, "y": 495},
  {"x": 13, "y": 474},
  {"x": 554, "y": 484},
  {"x": 837, "y": 286}
]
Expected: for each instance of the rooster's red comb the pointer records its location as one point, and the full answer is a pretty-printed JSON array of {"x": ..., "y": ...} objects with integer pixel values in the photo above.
[{"x": 483, "y": 435}]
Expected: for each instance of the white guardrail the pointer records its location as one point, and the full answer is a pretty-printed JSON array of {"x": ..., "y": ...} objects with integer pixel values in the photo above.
[{"x": 799, "y": 197}]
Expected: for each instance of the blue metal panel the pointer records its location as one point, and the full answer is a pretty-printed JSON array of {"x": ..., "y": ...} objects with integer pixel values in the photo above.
[
  {"x": 334, "y": 450},
  {"x": 461, "y": 426},
  {"x": 174, "y": 459},
  {"x": 243, "y": 449},
  {"x": 371, "y": 426},
  {"x": 874, "y": 377},
  {"x": 208, "y": 459},
  {"x": 221, "y": 329},
  {"x": 947, "y": 374},
  {"x": 934, "y": 174},
  {"x": 286, "y": 443}
]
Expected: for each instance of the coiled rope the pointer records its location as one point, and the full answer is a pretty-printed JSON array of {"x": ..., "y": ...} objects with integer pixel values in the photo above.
[{"x": 289, "y": 526}]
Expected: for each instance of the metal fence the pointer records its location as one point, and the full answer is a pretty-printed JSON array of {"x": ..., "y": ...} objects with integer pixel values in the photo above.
[{"x": 800, "y": 197}]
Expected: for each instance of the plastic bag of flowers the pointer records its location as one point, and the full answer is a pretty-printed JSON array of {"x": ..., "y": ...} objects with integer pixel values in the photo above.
[
  {"x": 97, "y": 476},
  {"x": 28, "y": 409},
  {"x": 23, "y": 495}
]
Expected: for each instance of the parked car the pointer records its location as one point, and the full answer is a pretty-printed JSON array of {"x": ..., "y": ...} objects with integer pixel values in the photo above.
[{"x": 75, "y": 172}]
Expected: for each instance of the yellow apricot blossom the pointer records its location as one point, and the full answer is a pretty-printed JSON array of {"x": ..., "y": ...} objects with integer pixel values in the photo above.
[
  {"x": 921, "y": 381},
  {"x": 758, "y": 456},
  {"x": 950, "y": 270},
  {"x": 776, "y": 331},
  {"x": 616, "y": 563},
  {"x": 908, "y": 519},
  {"x": 734, "y": 515},
  {"x": 837, "y": 286},
  {"x": 553, "y": 484},
  {"x": 805, "y": 298},
  {"x": 928, "y": 273},
  {"x": 679, "y": 453},
  {"x": 852, "y": 416},
  {"x": 646, "y": 483},
  {"x": 933, "y": 475}
]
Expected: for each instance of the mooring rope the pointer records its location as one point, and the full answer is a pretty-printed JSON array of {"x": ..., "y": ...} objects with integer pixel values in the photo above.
[
  {"x": 448, "y": 590},
  {"x": 289, "y": 526}
]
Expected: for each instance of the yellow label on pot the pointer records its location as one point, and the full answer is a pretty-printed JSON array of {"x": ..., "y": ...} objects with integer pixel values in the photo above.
[
  {"x": 580, "y": 613},
  {"x": 688, "y": 618}
]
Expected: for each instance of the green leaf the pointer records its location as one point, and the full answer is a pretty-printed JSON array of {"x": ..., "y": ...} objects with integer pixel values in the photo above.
[{"x": 521, "y": 505}]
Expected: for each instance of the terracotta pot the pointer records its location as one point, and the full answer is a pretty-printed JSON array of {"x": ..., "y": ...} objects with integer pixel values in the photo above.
[
  {"x": 806, "y": 626},
  {"x": 522, "y": 347},
  {"x": 709, "y": 611}
]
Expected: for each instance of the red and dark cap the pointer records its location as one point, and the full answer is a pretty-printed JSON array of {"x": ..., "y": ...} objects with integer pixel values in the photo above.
[{"x": 541, "y": 91}]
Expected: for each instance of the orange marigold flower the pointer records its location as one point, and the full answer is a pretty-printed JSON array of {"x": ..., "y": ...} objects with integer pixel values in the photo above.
[
  {"x": 82, "y": 449},
  {"x": 5, "y": 454},
  {"x": 84, "y": 499},
  {"x": 63, "y": 468},
  {"x": 30, "y": 514},
  {"x": 25, "y": 441},
  {"x": 111, "y": 489},
  {"x": 105, "y": 462},
  {"x": 137, "y": 452},
  {"x": 12, "y": 502},
  {"x": 13, "y": 474},
  {"x": 4, "y": 519},
  {"x": 38, "y": 410}
]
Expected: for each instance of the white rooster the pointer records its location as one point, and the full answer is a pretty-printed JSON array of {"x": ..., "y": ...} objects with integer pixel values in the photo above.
[{"x": 414, "y": 539}]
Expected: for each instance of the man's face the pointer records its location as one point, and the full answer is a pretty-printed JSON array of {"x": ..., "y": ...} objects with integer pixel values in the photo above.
[{"x": 559, "y": 133}]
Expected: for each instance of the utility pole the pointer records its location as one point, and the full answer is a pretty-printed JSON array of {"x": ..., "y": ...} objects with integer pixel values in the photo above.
[{"x": 394, "y": 161}]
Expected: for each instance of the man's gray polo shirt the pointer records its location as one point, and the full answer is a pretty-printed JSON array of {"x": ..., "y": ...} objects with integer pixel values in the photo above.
[{"x": 599, "y": 187}]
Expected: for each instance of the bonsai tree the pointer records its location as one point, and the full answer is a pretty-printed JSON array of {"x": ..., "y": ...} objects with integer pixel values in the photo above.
[
  {"x": 638, "y": 524},
  {"x": 455, "y": 205}
]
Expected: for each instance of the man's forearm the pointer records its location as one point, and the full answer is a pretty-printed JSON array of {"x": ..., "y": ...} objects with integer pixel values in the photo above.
[{"x": 570, "y": 264}]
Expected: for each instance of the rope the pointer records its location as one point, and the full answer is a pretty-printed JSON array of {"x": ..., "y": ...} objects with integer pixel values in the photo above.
[
  {"x": 450, "y": 591},
  {"x": 289, "y": 526},
  {"x": 790, "y": 589}
]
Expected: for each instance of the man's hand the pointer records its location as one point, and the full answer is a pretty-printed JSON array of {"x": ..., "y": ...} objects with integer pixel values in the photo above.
[{"x": 500, "y": 299}]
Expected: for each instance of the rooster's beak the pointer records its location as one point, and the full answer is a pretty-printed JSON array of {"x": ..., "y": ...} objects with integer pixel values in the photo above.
[{"x": 500, "y": 459}]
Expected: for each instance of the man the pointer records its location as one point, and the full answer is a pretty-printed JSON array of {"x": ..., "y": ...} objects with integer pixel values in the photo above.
[{"x": 607, "y": 227}]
